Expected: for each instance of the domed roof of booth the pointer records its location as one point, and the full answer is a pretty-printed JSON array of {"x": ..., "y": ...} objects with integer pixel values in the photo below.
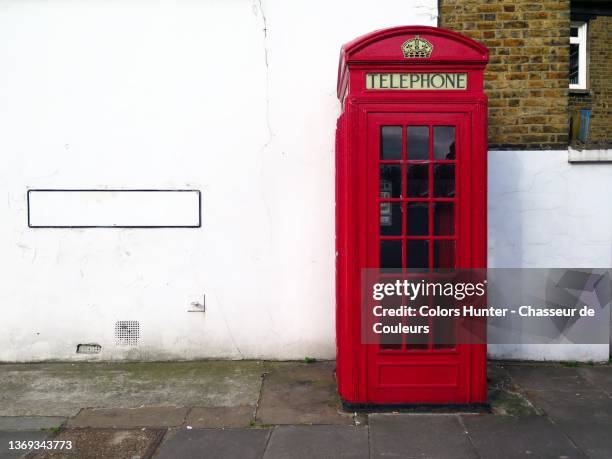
[{"x": 384, "y": 46}]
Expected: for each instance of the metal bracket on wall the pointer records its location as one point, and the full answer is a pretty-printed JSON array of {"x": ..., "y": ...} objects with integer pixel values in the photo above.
[{"x": 197, "y": 306}]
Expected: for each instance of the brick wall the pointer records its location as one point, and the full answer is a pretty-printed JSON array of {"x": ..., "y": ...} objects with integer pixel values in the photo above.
[
  {"x": 599, "y": 85},
  {"x": 527, "y": 76}
]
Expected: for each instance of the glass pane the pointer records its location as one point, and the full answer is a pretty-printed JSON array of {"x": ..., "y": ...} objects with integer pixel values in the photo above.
[
  {"x": 573, "y": 63},
  {"x": 418, "y": 142},
  {"x": 444, "y": 218},
  {"x": 390, "y": 254},
  {"x": 391, "y": 142},
  {"x": 391, "y": 341},
  {"x": 573, "y": 31},
  {"x": 417, "y": 254},
  {"x": 417, "y": 340},
  {"x": 444, "y": 142},
  {"x": 444, "y": 254},
  {"x": 444, "y": 332},
  {"x": 390, "y": 219},
  {"x": 443, "y": 328},
  {"x": 390, "y": 181},
  {"x": 444, "y": 180},
  {"x": 418, "y": 180},
  {"x": 417, "y": 219}
]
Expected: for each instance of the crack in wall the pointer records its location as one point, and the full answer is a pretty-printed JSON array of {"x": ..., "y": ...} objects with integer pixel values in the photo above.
[
  {"x": 258, "y": 7},
  {"x": 261, "y": 10}
]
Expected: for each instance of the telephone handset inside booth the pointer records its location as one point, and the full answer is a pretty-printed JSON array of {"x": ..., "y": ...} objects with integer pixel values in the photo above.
[{"x": 386, "y": 218}]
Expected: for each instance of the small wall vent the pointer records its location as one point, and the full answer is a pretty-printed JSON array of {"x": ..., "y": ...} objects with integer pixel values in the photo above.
[
  {"x": 90, "y": 348},
  {"x": 127, "y": 332}
]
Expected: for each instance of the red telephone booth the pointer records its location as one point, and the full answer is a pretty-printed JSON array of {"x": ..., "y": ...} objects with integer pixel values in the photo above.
[{"x": 410, "y": 193}]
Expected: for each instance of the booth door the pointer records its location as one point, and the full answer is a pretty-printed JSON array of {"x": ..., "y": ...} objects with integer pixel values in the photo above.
[{"x": 418, "y": 217}]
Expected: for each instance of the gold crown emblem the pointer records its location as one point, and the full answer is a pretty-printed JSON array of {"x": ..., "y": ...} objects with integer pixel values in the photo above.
[{"x": 417, "y": 47}]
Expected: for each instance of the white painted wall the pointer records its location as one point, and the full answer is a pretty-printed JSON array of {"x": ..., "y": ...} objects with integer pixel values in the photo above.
[
  {"x": 176, "y": 94},
  {"x": 193, "y": 94},
  {"x": 545, "y": 212}
]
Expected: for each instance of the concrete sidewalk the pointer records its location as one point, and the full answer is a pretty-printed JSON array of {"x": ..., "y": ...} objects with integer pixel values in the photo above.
[{"x": 247, "y": 409}]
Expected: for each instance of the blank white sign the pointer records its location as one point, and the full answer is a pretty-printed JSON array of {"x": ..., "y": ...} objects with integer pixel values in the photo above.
[{"x": 114, "y": 208}]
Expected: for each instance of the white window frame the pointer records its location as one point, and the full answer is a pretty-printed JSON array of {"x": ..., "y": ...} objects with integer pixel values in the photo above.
[{"x": 581, "y": 41}]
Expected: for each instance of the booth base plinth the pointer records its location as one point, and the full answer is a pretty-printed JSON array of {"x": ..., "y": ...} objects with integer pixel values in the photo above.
[{"x": 416, "y": 407}]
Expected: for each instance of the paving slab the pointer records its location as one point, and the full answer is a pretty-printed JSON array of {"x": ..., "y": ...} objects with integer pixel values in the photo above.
[
  {"x": 308, "y": 442},
  {"x": 105, "y": 444},
  {"x": 214, "y": 444},
  {"x": 129, "y": 417},
  {"x": 504, "y": 396},
  {"x": 497, "y": 374},
  {"x": 586, "y": 417},
  {"x": 220, "y": 416},
  {"x": 501, "y": 437},
  {"x": 62, "y": 389},
  {"x": 6, "y": 437},
  {"x": 599, "y": 376},
  {"x": 566, "y": 405},
  {"x": 30, "y": 422},
  {"x": 300, "y": 393},
  {"x": 549, "y": 378},
  {"x": 419, "y": 436},
  {"x": 592, "y": 437}
]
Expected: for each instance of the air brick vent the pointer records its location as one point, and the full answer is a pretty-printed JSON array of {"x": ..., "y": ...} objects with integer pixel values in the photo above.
[{"x": 127, "y": 332}]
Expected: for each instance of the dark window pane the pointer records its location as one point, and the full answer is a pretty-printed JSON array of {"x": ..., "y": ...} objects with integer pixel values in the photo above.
[
  {"x": 444, "y": 180},
  {"x": 573, "y": 31},
  {"x": 389, "y": 346},
  {"x": 573, "y": 63},
  {"x": 390, "y": 254},
  {"x": 417, "y": 254},
  {"x": 418, "y": 180},
  {"x": 444, "y": 254},
  {"x": 418, "y": 142},
  {"x": 417, "y": 341},
  {"x": 444, "y": 218},
  {"x": 391, "y": 142},
  {"x": 417, "y": 219},
  {"x": 444, "y": 332},
  {"x": 444, "y": 142},
  {"x": 390, "y": 219},
  {"x": 390, "y": 181},
  {"x": 443, "y": 328},
  {"x": 391, "y": 341}
]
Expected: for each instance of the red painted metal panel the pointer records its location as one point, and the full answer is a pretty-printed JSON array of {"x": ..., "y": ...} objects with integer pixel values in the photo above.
[{"x": 370, "y": 374}]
